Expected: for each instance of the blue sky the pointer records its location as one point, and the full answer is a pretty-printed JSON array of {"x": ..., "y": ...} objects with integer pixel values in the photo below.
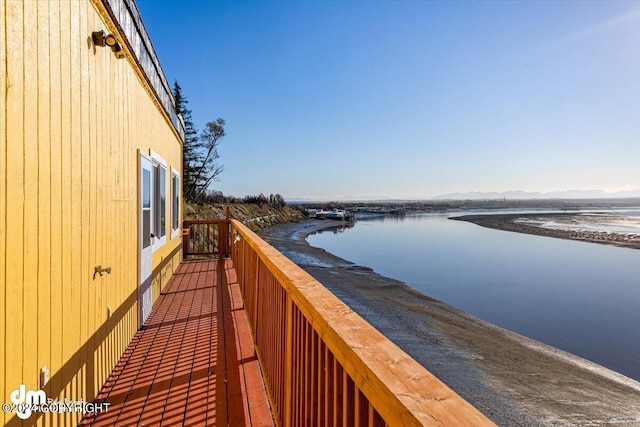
[{"x": 410, "y": 99}]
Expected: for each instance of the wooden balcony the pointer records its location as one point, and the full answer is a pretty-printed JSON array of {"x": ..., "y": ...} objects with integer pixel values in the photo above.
[
  {"x": 229, "y": 335},
  {"x": 193, "y": 363}
]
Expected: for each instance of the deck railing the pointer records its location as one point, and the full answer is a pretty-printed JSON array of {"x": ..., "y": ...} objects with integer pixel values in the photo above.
[
  {"x": 322, "y": 363},
  {"x": 204, "y": 237}
]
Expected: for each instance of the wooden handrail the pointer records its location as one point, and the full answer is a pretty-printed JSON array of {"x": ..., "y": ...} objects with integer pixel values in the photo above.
[{"x": 325, "y": 365}]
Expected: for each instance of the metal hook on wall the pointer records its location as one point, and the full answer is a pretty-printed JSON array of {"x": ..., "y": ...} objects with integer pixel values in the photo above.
[{"x": 99, "y": 269}]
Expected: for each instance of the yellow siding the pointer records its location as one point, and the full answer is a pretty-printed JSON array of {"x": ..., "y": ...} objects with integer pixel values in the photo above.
[
  {"x": 3, "y": 195},
  {"x": 76, "y": 118},
  {"x": 14, "y": 303},
  {"x": 30, "y": 209},
  {"x": 57, "y": 284},
  {"x": 44, "y": 191}
]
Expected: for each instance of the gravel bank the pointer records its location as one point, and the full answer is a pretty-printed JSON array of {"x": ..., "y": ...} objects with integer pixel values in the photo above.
[{"x": 514, "y": 380}]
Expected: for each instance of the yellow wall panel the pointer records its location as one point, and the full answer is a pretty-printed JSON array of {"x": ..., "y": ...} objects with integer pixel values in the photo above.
[
  {"x": 3, "y": 194},
  {"x": 89, "y": 225},
  {"x": 15, "y": 197},
  {"x": 65, "y": 372},
  {"x": 76, "y": 117},
  {"x": 72, "y": 305},
  {"x": 57, "y": 219},
  {"x": 30, "y": 226},
  {"x": 44, "y": 190},
  {"x": 97, "y": 238}
]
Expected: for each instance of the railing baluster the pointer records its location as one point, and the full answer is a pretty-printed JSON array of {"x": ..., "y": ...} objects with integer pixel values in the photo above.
[
  {"x": 345, "y": 401},
  {"x": 312, "y": 376},
  {"x": 356, "y": 406},
  {"x": 329, "y": 396},
  {"x": 305, "y": 355},
  {"x": 288, "y": 367},
  {"x": 338, "y": 394},
  {"x": 320, "y": 381}
]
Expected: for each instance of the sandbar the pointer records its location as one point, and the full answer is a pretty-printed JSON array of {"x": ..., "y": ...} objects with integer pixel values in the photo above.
[{"x": 564, "y": 226}]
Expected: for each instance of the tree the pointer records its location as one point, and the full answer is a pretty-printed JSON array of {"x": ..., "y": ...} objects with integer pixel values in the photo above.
[
  {"x": 191, "y": 146},
  {"x": 208, "y": 169},
  {"x": 199, "y": 152},
  {"x": 276, "y": 200}
]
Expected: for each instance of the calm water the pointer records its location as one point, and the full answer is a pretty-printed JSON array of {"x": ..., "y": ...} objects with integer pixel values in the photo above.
[{"x": 581, "y": 297}]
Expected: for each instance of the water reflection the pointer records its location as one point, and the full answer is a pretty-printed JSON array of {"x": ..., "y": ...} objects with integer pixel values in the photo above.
[
  {"x": 407, "y": 217},
  {"x": 336, "y": 229}
]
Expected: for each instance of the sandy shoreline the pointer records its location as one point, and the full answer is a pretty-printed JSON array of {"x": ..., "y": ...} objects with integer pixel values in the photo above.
[
  {"x": 525, "y": 223},
  {"x": 512, "y": 379}
]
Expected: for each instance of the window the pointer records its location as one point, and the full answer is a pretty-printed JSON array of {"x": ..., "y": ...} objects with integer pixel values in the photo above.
[
  {"x": 161, "y": 197},
  {"x": 175, "y": 203},
  {"x": 146, "y": 208},
  {"x": 159, "y": 205}
]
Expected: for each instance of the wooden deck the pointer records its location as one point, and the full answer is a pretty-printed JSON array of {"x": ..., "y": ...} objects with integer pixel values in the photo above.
[{"x": 193, "y": 363}]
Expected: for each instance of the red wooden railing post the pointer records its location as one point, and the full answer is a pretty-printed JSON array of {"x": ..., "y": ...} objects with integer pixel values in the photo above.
[
  {"x": 185, "y": 239},
  {"x": 227, "y": 233},
  {"x": 223, "y": 227}
]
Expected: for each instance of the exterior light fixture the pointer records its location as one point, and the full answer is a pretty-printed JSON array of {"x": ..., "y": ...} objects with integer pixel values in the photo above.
[
  {"x": 100, "y": 39},
  {"x": 112, "y": 42}
]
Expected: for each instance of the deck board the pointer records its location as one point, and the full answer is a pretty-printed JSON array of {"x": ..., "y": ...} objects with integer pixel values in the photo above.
[{"x": 193, "y": 363}]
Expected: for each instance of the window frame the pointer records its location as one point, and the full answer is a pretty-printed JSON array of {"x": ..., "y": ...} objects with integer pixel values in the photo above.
[
  {"x": 158, "y": 163},
  {"x": 175, "y": 202}
]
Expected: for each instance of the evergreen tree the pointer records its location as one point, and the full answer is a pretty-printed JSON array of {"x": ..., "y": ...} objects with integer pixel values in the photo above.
[{"x": 191, "y": 145}]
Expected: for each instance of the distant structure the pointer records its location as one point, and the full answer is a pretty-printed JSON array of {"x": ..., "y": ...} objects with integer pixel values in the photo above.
[{"x": 90, "y": 179}]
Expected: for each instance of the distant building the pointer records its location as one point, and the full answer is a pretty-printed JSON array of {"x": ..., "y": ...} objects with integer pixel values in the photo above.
[{"x": 90, "y": 183}]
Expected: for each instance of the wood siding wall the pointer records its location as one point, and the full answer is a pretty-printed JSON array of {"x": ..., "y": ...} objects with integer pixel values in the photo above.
[{"x": 72, "y": 120}]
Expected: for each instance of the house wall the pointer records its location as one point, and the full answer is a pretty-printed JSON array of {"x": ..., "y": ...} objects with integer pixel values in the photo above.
[{"x": 73, "y": 120}]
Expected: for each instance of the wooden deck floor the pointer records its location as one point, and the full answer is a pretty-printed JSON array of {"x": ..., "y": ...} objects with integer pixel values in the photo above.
[{"x": 193, "y": 363}]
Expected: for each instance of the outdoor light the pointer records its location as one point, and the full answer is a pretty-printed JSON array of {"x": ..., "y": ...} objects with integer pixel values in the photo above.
[
  {"x": 100, "y": 39},
  {"x": 110, "y": 40}
]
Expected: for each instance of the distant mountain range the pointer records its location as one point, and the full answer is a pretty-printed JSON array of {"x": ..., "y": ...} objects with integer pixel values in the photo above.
[
  {"x": 480, "y": 195},
  {"x": 523, "y": 195}
]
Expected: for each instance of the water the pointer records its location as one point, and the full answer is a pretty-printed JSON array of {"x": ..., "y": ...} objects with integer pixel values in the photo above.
[{"x": 580, "y": 297}]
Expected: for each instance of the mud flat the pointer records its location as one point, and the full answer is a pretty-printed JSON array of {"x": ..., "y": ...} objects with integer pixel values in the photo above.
[
  {"x": 514, "y": 380},
  {"x": 564, "y": 227}
]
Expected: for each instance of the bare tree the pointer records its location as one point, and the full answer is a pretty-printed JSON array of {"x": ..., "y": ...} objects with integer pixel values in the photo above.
[
  {"x": 208, "y": 168},
  {"x": 200, "y": 156}
]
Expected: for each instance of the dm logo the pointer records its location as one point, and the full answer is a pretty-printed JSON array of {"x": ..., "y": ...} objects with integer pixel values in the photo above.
[{"x": 27, "y": 400}]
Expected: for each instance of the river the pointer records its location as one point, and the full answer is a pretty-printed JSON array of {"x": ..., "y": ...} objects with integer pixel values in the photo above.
[{"x": 580, "y": 297}]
